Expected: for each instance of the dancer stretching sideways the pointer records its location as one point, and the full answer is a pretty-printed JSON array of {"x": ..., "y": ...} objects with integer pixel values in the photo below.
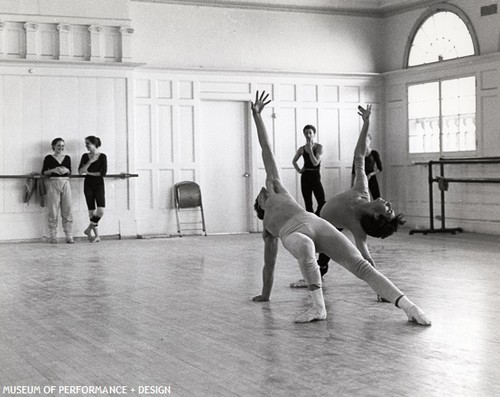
[{"x": 303, "y": 234}]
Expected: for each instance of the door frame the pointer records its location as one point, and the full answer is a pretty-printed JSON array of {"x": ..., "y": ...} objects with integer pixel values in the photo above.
[{"x": 250, "y": 163}]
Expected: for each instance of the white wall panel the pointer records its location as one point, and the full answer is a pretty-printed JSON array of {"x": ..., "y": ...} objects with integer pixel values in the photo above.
[
  {"x": 145, "y": 190},
  {"x": 33, "y": 141},
  {"x": 224, "y": 87},
  {"x": 12, "y": 121},
  {"x": 349, "y": 94},
  {"x": 285, "y": 142},
  {"x": 331, "y": 180},
  {"x": 143, "y": 150},
  {"x": 186, "y": 134},
  {"x": 106, "y": 128},
  {"x": 122, "y": 144},
  {"x": 310, "y": 93},
  {"x": 349, "y": 131},
  {"x": 87, "y": 94},
  {"x": 287, "y": 92},
  {"x": 142, "y": 88},
  {"x": 328, "y": 134},
  {"x": 307, "y": 116},
  {"x": 164, "y": 89},
  {"x": 165, "y": 134},
  {"x": 329, "y": 93},
  {"x": 185, "y": 90},
  {"x": 489, "y": 125},
  {"x": 187, "y": 175},
  {"x": 166, "y": 183}
]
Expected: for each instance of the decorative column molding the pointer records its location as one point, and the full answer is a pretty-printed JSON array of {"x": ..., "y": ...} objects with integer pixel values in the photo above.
[
  {"x": 3, "y": 49},
  {"x": 32, "y": 40},
  {"x": 96, "y": 43},
  {"x": 126, "y": 33},
  {"x": 65, "y": 47}
]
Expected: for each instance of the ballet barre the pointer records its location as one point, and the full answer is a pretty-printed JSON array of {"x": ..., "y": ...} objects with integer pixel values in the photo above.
[
  {"x": 122, "y": 175},
  {"x": 443, "y": 185}
]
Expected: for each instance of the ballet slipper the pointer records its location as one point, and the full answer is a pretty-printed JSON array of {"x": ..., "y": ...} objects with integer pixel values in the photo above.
[
  {"x": 315, "y": 313},
  {"x": 416, "y": 315},
  {"x": 88, "y": 232},
  {"x": 299, "y": 284}
]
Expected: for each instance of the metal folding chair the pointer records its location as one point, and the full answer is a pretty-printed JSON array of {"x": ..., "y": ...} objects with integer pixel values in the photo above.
[{"x": 188, "y": 197}]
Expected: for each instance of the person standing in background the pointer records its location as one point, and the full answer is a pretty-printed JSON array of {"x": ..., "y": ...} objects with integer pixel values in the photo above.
[
  {"x": 94, "y": 166},
  {"x": 310, "y": 179},
  {"x": 57, "y": 167}
]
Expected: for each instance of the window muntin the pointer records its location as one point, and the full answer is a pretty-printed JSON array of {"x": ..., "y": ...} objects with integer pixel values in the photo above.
[
  {"x": 442, "y": 116},
  {"x": 442, "y": 36}
]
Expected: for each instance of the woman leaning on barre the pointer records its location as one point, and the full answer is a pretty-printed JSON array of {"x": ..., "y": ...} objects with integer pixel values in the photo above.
[
  {"x": 57, "y": 167},
  {"x": 94, "y": 166}
]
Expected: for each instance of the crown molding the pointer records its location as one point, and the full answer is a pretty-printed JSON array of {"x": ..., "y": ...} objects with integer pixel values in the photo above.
[
  {"x": 259, "y": 5},
  {"x": 378, "y": 10},
  {"x": 32, "y": 63},
  {"x": 259, "y": 72},
  {"x": 13, "y": 17}
]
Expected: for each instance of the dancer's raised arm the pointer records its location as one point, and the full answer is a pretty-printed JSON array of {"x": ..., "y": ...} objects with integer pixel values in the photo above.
[
  {"x": 273, "y": 179},
  {"x": 360, "y": 182},
  {"x": 361, "y": 144}
]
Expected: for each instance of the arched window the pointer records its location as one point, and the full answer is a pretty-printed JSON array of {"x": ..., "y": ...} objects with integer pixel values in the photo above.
[
  {"x": 442, "y": 111},
  {"x": 442, "y": 33}
]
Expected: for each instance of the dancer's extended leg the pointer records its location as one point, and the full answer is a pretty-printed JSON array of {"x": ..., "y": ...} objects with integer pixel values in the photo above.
[
  {"x": 303, "y": 249},
  {"x": 338, "y": 247}
]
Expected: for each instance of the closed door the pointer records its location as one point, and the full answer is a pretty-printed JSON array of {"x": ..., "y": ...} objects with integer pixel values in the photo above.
[{"x": 225, "y": 178}]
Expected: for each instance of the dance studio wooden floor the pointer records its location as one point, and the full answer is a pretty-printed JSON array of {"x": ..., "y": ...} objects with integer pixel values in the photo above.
[{"x": 178, "y": 312}]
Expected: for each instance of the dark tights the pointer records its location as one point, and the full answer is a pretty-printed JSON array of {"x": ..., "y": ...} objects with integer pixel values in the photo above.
[
  {"x": 373, "y": 186},
  {"x": 310, "y": 182}
]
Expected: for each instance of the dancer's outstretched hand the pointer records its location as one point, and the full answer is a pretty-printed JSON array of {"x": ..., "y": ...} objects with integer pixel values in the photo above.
[
  {"x": 417, "y": 315},
  {"x": 260, "y": 102},
  {"x": 365, "y": 113},
  {"x": 259, "y": 298}
]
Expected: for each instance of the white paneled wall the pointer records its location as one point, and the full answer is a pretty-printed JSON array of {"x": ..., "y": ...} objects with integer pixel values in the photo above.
[
  {"x": 474, "y": 207},
  {"x": 176, "y": 136},
  {"x": 171, "y": 126},
  {"x": 165, "y": 148},
  {"x": 34, "y": 109}
]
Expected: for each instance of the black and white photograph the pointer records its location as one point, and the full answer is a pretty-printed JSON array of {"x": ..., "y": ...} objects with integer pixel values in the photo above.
[{"x": 248, "y": 198}]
